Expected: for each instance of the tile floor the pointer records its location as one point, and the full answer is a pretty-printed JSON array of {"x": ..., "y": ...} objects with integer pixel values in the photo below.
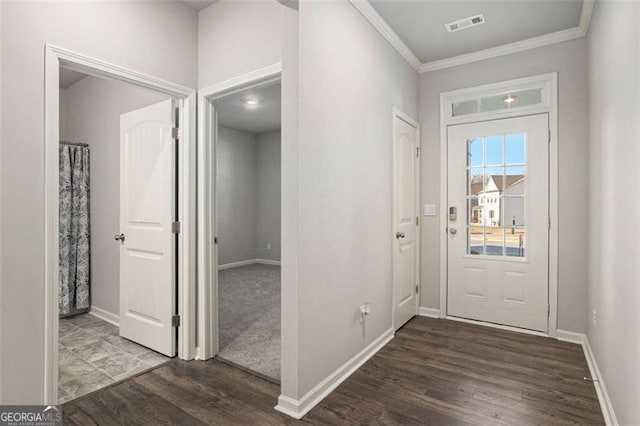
[{"x": 92, "y": 355}]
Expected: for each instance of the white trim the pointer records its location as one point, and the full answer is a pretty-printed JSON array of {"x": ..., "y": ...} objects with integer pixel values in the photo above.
[
  {"x": 105, "y": 315},
  {"x": 505, "y": 49},
  {"x": 249, "y": 262},
  {"x": 236, "y": 264},
  {"x": 207, "y": 250},
  {"x": 601, "y": 390},
  {"x": 585, "y": 15},
  {"x": 269, "y": 262},
  {"x": 378, "y": 22},
  {"x": 54, "y": 58},
  {"x": 365, "y": 8},
  {"x": 298, "y": 408},
  {"x": 570, "y": 336},
  {"x": 549, "y": 83},
  {"x": 429, "y": 312},
  {"x": 398, "y": 113}
]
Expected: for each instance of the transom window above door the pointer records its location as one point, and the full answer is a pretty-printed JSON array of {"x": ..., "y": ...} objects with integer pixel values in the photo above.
[{"x": 495, "y": 211}]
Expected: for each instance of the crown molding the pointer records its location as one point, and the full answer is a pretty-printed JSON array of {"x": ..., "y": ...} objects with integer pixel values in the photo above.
[
  {"x": 365, "y": 8},
  {"x": 505, "y": 49},
  {"x": 585, "y": 16}
]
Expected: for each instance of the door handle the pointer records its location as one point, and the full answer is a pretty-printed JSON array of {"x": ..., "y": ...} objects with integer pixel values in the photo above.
[
  {"x": 453, "y": 231},
  {"x": 399, "y": 235},
  {"x": 119, "y": 237}
]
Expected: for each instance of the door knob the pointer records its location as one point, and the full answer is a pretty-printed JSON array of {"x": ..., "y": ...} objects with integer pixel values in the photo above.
[
  {"x": 453, "y": 231},
  {"x": 399, "y": 235},
  {"x": 119, "y": 237}
]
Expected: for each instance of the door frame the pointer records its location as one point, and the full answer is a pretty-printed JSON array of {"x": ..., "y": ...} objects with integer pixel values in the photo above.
[
  {"x": 206, "y": 213},
  {"x": 398, "y": 113},
  {"x": 55, "y": 57},
  {"x": 548, "y": 83}
]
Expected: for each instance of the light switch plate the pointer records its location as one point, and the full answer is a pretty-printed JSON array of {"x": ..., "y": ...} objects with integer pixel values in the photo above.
[{"x": 429, "y": 210}]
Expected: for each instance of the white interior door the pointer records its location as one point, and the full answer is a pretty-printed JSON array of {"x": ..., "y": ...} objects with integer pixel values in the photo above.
[
  {"x": 148, "y": 246},
  {"x": 406, "y": 178},
  {"x": 498, "y": 235}
]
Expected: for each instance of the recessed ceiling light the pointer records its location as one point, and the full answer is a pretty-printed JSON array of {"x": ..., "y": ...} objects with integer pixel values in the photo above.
[
  {"x": 251, "y": 102},
  {"x": 510, "y": 99}
]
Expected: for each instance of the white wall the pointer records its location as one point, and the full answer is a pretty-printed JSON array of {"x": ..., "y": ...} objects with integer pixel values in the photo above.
[
  {"x": 236, "y": 195},
  {"x": 156, "y": 38},
  {"x": 268, "y": 211},
  {"x": 350, "y": 78},
  {"x": 569, "y": 59},
  {"x": 614, "y": 191},
  {"x": 90, "y": 113},
  {"x": 236, "y": 37}
]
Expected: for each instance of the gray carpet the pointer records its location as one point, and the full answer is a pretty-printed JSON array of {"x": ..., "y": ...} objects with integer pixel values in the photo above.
[{"x": 249, "y": 314}]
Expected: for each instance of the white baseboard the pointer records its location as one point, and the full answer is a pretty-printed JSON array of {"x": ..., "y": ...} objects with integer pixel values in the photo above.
[
  {"x": 105, "y": 315},
  {"x": 429, "y": 312},
  {"x": 570, "y": 336},
  {"x": 298, "y": 408},
  {"x": 268, "y": 262},
  {"x": 236, "y": 264},
  {"x": 248, "y": 262},
  {"x": 601, "y": 390}
]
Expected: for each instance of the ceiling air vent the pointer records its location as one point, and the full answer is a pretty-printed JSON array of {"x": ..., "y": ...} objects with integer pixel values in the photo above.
[{"x": 465, "y": 23}]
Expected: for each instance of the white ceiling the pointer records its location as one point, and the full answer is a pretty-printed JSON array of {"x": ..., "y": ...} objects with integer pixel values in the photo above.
[
  {"x": 420, "y": 24},
  {"x": 68, "y": 77},
  {"x": 233, "y": 112},
  {"x": 198, "y": 4}
]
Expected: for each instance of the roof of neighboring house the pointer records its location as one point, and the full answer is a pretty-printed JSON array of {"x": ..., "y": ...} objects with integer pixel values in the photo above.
[{"x": 477, "y": 185}]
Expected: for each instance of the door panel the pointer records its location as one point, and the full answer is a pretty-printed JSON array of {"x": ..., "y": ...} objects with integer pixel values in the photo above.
[
  {"x": 498, "y": 243},
  {"x": 148, "y": 252},
  {"x": 405, "y": 201}
]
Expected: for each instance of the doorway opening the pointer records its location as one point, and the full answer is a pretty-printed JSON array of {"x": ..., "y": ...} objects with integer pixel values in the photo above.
[
  {"x": 240, "y": 304},
  {"x": 117, "y": 202},
  {"x": 499, "y": 176},
  {"x": 99, "y": 341}
]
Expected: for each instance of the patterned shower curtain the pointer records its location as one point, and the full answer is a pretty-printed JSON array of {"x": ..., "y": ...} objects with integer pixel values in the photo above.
[{"x": 74, "y": 254}]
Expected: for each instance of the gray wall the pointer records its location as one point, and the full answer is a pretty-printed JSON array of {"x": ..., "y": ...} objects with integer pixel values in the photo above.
[
  {"x": 142, "y": 43},
  {"x": 235, "y": 37},
  {"x": 614, "y": 275},
  {"x": 350, "y": 78},
  {"x": 236, "y": 195},
  {"x": 268, "y": 196},
  {"x": 248, "y": 197},
  {"x": 569, "y": 59},
  {"x": 90, "y": 112}
]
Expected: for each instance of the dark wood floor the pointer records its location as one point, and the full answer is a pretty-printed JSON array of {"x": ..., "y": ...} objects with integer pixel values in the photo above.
[{"x": 433, "y": 372}]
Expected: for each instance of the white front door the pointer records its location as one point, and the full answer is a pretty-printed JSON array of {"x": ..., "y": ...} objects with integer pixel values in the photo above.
[
  {"x": 148, "y": 246},
  {"x": 498, "y": 225},
  {"x": 406, "y": 178}
]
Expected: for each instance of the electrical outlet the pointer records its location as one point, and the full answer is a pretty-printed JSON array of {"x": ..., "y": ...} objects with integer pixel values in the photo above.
[
  {"x": 268, "y": 246},
  {"x": 594, "y": 316}
]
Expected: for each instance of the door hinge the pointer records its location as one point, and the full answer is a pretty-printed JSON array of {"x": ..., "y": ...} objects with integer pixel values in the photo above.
[
  {"x": 215, "y": 240},
  {"x": 418, "y": 151},
  {"x": 176, "y": 227},
  {"x": 417, "y": 289},
  {"x": 549, "y": 135},
  {"x": 549, "y": 222},
  {"x": 417, "y": 220},
  {"x": 548, "y": 311},
  {"x": 175, "y": 133},
  {"x": 175, "y": 321}
]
